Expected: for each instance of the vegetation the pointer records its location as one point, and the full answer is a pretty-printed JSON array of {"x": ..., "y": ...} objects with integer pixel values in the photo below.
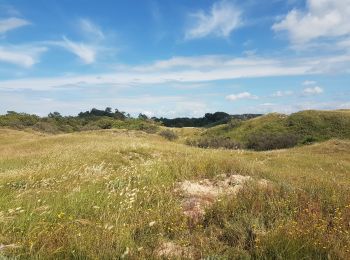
[
  {"x": 209, "y": 119},
  {"x": 112, "y": 194},
  {"x": 267, "y": 141},
  {"x": 168, "y": 134},
  {"x": 214, "y": 142},
  {"x": 276, "y": 131},
  {"x": 95, "y": 119}
]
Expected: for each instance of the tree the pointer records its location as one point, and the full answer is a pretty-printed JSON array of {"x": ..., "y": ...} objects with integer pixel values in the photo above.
[
  {"x": 55, "y": 115},
  {"x": 142, "y": 116}
]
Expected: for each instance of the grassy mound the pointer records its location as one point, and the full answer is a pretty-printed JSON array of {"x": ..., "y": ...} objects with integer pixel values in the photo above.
[{"x": 274, "y": 131}]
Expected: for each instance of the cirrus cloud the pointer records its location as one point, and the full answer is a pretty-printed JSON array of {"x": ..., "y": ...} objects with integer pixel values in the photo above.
[
  {"x": 12, "y": 23},
  {"x": 222, "y": 19},
  {"x": 24, "y": 55}
]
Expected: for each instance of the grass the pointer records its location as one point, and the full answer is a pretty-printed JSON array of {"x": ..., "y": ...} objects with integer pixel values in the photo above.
[
  {"x": 110, "y": 193},
  {"x": 306, "y": 126}
]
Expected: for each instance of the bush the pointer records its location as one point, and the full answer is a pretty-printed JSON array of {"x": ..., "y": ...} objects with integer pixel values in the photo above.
[
  {"x": 105, "y": 123},
  {"x": 46, "y": 127},
  {"x": 18, "y": 120},
  {"x": 215, "y": 142},
  {"x": 267, "y": 141},
  {"x": 148, "y": 127},
  {"x": 309, "y": 140},
  {"x": 168, "y": 134}
]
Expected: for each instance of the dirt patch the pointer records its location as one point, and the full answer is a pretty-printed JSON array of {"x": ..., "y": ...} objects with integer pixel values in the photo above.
[
  {"x": 171, "y": 250},
  {"x": 11, "y": 246},
  {"x": 197, "y": 196}
]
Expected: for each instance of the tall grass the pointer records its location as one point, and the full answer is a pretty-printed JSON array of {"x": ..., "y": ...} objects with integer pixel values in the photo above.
[{"x": 109, "y": 194}]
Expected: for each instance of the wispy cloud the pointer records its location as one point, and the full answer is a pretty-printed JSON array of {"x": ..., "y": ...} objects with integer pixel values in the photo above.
[
  {"x": 12, "y": 23},
  {"x": 87, "y": 53},
  {"x": 185, "y": 70},
  {"x": 24, "y": 55},
  {"x": 92, "y": 43},
  {"x": 309, "y": 82},
  {"x": 220, "y": 21},
  {"x": 243, "y": 95},
  {"x": 313, "y": 91},
  {"x": 281, "y": 93},
  {"x": 90, "y": 29},
  {"x": 326, "y": 19}
]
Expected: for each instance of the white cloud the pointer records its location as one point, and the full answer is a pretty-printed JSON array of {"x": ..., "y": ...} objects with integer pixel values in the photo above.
[
  {"x": 322, "y": 19},
  {"x": 211, "y": 62},
  {"x": 25, "y": 56},
  {"x": 93, "y": 46},
  {"x": 243, "y": 95},
  {"x": 91, "y": 30},
  {"x": 309, "y": 82},
  {"x": 86, "y": 53},
  {"x": 190, "y": 70},
  {"x": 11, "y": 24},
  {"x": 313, "y": 91},
  {"x": 222, "y": 19},
  {"x": 344, "y": 44},
  {"x": 267, "y": 104},
  {"x": 169, "y": 106},
  {"x": 280, "y": 93}
]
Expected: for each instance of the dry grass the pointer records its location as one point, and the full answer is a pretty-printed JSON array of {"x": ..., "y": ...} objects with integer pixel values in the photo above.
[{"x": 108, "y": 194}]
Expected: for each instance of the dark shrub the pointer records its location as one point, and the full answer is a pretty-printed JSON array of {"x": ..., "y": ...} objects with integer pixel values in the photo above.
[
  {"x": 148, "y": 127},
  {"x": 105, "y": 123},
  {"x": 215, "y": 142},
  {"x": 309, "y": 140},
  {"x": 267, "y": 141},
  {"x": 168, "y": 134}
]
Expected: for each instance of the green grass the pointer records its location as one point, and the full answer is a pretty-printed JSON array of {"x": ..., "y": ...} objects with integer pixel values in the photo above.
[
  {"x": 93, "y": 195},
  {"x": 306, "y": 126}
]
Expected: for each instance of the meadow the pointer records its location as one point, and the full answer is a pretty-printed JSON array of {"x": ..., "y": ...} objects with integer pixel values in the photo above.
[{"x": 113, "y": 194}]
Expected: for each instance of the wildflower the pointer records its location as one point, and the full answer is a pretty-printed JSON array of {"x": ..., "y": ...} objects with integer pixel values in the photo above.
[{"x": 126, "y": 252}]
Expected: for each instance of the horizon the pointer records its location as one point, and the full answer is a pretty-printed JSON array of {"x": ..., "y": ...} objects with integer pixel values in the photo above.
[
  {"x": 174, "y": 59},
  {"x": 177, "y": 117}
]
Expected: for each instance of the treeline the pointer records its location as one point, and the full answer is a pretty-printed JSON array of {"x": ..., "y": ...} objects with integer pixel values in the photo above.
[
  {"x": 209, "y": 119},
  {"x": 95, "y": 119}
]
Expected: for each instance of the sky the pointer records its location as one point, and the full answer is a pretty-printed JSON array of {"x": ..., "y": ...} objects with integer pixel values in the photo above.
[{"x": 174, "y": 58}]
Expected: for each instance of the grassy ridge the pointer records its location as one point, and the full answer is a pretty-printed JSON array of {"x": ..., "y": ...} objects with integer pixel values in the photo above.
[
  {"x": 305, "y": 127},
  {"x": 94, "y": 195}
]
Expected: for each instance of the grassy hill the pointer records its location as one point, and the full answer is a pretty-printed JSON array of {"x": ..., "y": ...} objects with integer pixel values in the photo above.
[
  {"x": 115, "y": 194},
  {"x": 271, "y": 130}
]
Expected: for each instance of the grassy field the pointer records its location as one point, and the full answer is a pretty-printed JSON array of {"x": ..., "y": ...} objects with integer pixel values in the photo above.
[
  {"x": 111, "y": 194},
  {"x": 305, "y": 126}
]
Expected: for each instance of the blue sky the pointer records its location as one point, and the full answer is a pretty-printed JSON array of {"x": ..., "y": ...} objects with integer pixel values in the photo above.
[{"x": 174, "y": 58}]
